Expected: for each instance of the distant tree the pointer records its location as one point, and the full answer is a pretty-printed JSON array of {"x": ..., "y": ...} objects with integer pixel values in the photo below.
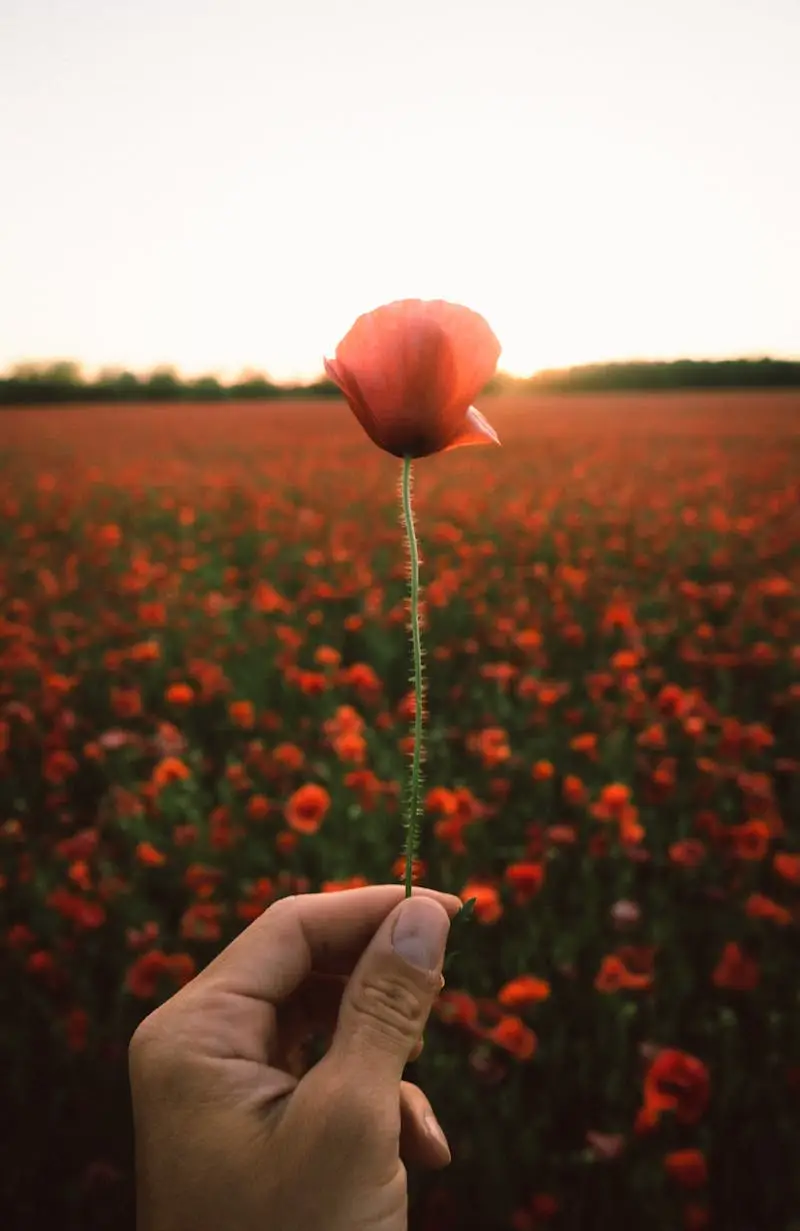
[
  {"x": 162, "y": 384},
  {"x": 207, "y": 388}
]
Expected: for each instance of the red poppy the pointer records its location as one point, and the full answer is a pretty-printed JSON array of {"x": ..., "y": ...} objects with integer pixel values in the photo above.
[
  {"x": 614, "y": 976},
  {"x": 410, "y": 371},
  {"x": 759, "y": 906},
  {"x": 525, "y": 989},
  {"x": 687, "y": 1168},
  {"x": 457, "y": 1007},
  {"x": 513, "y": 1036},
  {"x": 488, "y": 907},
  {"x": 149, "y": 855},
  {"x": 736, "y": 971},
  {"x": 679, "y": 1082},
  {"x": 306, "y": 808},
  {"x": 525, "y": 879},
  {"x": 787, "y": 866}
]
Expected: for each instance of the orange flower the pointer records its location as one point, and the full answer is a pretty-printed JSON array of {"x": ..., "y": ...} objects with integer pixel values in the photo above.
[
  {"x": 349, "y": 882},
  {"x": 288, "y": 756},
  {"x": 525, "y": 879},
  {"x": 573, "y": 790},
  {"x": 614, "y": 976},
  {"x": 676, "y": 1081},
  {"x": 169, "y": 770},
  {"x": 488, "y": 907},
  {"x": 542, "y": 771},
  {"x": 305, "y": 810},
  {"x": 242, "y": 714},
  {"x": 410, "y": 370},
  {"x": 180, "y": 694},
  {"x": 513, "y": 1036},
  {"x": 147, "y": 855},
  {"x": 327, "y": 656},
  {"x": 759, "y": 906},
  {"x": 736, "y": 971},
  {"x": 687, "y": 853},
  {"x": 419, "y": 869},
  {"x": 456, "y": 1007},
  {"x": 145, "y": 973},
  {"x": 615, "y": 796},
  {"x": 687, "y": 1168},
  {"x": 787, "y": 867},
  {"x": 525, "y": 989},
  {"x": 750, "y": 841},
  {"x": 257, "y": 808}
]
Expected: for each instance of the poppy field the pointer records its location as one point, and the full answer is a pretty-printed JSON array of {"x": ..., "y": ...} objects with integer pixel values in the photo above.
[{"x": 205, "y": 705}]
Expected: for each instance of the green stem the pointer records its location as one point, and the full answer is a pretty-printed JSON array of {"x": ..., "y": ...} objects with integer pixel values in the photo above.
[{"x": 412, "y": 817}]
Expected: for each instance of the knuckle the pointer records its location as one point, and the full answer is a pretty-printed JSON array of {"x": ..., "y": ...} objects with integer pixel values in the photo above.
[{"x": 389, "y": 1008}]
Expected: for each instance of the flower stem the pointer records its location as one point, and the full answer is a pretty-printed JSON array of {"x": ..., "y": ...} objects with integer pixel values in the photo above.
[{"x": 412, "y": 815}]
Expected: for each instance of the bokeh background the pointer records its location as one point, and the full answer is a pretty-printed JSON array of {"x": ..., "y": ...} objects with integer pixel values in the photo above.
[{"x": 204, "y": 658}]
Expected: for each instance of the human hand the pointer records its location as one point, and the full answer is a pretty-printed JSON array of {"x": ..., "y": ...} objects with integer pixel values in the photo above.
[{"x": 230, "y": 1133}]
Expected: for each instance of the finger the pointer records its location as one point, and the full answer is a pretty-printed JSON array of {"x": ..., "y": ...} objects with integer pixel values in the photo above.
[
  {"x": 312, "y": 1010},
  {"x": 230, "y": 1008},
  {"x": 389, "y": 997},
  {"x": 325, "y": 932},
  {"x": 422, "y": 1141}
]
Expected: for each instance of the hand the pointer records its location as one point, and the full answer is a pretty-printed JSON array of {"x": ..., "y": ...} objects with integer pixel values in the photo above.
[{"x": 231, "y": 1134}]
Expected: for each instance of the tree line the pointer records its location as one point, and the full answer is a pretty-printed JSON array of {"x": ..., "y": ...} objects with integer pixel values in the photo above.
[{"x": 63, "y": 382}]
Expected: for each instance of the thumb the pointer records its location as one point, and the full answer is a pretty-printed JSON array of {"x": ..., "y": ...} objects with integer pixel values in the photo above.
[{"x": 389, "y": 995}]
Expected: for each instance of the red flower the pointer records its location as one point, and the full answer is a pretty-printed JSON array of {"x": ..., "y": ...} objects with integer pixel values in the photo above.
[
  {"x": 488, "y": 907},
  {"x": 676, "y": 1082},
  {"x": 614, "y": 975},
  {"x": 410, "y": 371},
  {"x": 513, "y": 1036},
  {"x": 525, "y": 989},
  {"x": 687, "y": 1168},
  {"x": 525, "y": 879},
  {"x": 306, "y": 808},
  {"x": 736, "y": 971},
  {"x": 145, "y": 973},
  {"x": 788, "y": 867}
]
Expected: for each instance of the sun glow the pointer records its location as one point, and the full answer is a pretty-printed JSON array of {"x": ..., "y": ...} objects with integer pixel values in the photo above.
[{"x": 233, "y": 215}]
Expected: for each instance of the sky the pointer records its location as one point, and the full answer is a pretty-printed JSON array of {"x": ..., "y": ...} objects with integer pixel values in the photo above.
[{"x": 228, "y": 184}]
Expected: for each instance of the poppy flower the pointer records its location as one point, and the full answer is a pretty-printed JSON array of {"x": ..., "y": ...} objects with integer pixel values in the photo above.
[
  {"x": 513, "y": 1036},
  {"x": 306, "y": 808},
  {"x": 687, "y": 1168},
  {"x": 410, "y": 370},
  {"x": 525, "y": 989},
  {"x": 679, "y": 1082},
  {"x": 736, "y": 970}
]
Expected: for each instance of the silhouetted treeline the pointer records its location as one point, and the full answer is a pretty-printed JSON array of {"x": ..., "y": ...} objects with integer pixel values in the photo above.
[
  {"x": 676, "y": 374},
  {"x": 62, "y": 382}
]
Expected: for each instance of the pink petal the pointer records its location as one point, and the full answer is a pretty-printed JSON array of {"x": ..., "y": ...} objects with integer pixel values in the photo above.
[{"x": 475, "y": 430}]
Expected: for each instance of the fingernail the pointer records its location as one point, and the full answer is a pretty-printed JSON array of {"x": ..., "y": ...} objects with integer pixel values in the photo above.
[
  {"x": 434, "y": 1130},
  {"x": 420, "y": 933}
]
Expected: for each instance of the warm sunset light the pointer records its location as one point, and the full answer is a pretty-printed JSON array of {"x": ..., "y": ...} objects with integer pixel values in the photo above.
[{"x": 231, "y": 186}]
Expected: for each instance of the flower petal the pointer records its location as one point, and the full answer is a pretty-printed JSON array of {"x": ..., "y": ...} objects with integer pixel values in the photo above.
[
  {"x": 401, "y": 360},
  {"x": 475, "y": 430},
  {"x": 349, "y": 387},
  {"x": 476, "y": 349}
]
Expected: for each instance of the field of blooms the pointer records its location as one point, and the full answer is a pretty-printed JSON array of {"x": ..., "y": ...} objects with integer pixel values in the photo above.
[{"x": 204, "y": 706}]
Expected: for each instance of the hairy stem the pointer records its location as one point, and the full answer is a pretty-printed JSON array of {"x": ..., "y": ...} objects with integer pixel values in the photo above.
[{"x": 412, "y": 815}]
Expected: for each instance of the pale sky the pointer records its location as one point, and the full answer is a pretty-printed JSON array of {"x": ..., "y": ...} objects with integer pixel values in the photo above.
[{"x": 220, "y": 184}]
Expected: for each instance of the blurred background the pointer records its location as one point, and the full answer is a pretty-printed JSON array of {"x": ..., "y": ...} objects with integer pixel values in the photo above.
[{"x": 203, "y": 646}]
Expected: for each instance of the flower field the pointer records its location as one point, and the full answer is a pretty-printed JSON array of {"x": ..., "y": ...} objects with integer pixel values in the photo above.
[{"x": 204, "y": 706}]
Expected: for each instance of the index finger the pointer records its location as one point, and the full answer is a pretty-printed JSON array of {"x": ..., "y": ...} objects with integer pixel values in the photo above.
[{"x": 323, "y": 932}]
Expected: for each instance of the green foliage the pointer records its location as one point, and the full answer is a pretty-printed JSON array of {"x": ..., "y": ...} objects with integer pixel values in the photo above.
[{"x": 62, "y": 381}]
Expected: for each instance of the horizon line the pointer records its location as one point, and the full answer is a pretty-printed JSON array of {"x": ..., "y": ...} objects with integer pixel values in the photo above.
[{"x": 91, "y": 373}]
